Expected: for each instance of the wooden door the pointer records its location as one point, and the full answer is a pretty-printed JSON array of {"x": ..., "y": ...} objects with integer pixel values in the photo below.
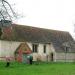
[{"x": 25, "y": 58}]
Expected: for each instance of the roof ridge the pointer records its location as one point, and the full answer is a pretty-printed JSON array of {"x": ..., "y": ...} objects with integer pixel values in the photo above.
[{"x": 39, "y": 28}]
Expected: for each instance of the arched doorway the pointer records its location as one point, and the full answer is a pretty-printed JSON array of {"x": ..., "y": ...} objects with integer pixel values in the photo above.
[
  {"x": 22, "y": 52},
  {"x": 52, "y": 55}
]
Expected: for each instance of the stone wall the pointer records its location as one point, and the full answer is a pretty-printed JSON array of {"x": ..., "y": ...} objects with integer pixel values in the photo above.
[
  {"x": 65, "y": 57},
  {"x": 7, "y": 48}
]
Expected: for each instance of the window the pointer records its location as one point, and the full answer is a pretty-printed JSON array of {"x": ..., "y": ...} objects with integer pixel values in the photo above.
[
  {"x": 67, "y": 49},
  {"x": 0, "y": 32},
  {"x": 34, "y": 47},
  {"x": 44, "y": 48}
]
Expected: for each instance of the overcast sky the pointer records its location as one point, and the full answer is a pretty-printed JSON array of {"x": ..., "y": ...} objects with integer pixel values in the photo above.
[{"x": 52, "y": 14}]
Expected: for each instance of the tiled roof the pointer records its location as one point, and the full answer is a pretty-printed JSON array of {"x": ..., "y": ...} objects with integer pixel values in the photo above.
[{"x": 37, "y": 35}]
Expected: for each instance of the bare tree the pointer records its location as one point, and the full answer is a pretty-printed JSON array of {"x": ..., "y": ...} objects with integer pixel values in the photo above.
[
  {"x": 6, "y": 15},
  {"x": 6, "y": 11}
]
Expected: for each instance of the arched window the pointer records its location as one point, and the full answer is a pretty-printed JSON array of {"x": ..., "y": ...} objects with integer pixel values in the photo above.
[
  {"x": 44, "y": 48},
  {"x": 0, "y": 32},
  {"x": 35, "y": 48}
]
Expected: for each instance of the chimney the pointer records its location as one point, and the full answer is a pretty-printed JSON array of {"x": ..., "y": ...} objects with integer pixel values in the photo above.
[{"x": 6, "y": 29}]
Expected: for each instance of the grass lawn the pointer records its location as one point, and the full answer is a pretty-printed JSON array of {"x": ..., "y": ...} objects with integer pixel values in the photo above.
[{"x": 41, "y": 69}]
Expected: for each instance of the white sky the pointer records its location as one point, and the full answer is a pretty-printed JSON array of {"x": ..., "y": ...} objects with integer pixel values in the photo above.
[{"x": 52, "y": 14}]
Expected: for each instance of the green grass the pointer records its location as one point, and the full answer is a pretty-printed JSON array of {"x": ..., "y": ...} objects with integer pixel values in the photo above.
[{"x": 38, "y": 69}]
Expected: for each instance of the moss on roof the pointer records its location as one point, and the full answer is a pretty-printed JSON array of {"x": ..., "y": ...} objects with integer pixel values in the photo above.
[{"x": 24, "y": 33}]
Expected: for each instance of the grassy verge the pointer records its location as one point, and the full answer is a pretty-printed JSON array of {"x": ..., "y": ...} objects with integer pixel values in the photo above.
[{"x": 38, "y": 69}]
